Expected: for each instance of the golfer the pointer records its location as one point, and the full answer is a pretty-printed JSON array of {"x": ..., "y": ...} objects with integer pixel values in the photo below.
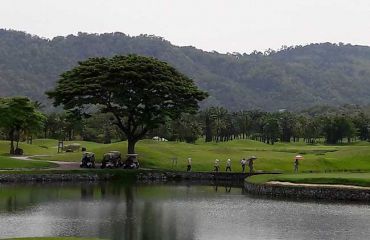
[
  {"x": 250, "y": 164},
  {"x": 228, "y": 165},
  {"x": 217, "y": 165},
  {"x": 189, "y": 165},
  {"x": 243, "y": 162},
  {"x": 296, "y": 163}
]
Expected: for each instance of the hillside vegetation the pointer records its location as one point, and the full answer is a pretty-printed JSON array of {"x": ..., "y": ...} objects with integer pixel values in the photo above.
[{"x": 292, "y": 78}]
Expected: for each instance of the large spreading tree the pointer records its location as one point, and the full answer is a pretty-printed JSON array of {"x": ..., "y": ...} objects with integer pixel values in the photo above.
[{"x": 140, "y": 92}]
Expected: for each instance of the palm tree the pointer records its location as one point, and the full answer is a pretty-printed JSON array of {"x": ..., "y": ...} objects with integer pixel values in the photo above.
[{"x": 219, "y": 115}]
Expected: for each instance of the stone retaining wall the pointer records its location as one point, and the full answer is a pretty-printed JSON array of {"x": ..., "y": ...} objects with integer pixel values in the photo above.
[
  {"x": 14, "y": 178},
  {"x": 308, "y": 192},
  {"x": 141, "y": 176},
  {"x": 161, "y": 175}
]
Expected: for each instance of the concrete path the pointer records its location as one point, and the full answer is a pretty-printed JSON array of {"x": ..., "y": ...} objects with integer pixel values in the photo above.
[{"x": 61, "y": 165}]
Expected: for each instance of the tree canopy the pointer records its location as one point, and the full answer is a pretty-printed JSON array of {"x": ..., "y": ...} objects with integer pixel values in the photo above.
[
  {"x": 19, "y": 114},
  {"x": 140, "y": 92}
]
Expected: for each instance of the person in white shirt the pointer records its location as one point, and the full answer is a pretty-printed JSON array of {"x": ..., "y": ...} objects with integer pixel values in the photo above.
[
  {"x": 228, "y": 164},
  {"x": 243, "y": 162},
  {"x": 217, "y": 165}
]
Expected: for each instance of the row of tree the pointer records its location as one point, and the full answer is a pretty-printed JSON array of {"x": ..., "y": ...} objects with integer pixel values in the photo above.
[
  {"x": 218, "y": 124},
  {"x": 21, "y": 118}
]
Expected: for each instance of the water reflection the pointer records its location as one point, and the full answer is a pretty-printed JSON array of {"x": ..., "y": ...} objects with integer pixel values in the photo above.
[
  {"x": 176, "y": 212},
  {"x": 114, "y": 211}
]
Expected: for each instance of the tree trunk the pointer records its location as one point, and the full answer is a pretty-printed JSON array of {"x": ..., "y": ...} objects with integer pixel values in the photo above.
[
  {"x": 131, "y": 146},
  {"x": 18, "y": 138},
  {"x": 11, "y": 136},
  {"x": 208, "y": 130},
  {"x": 70, "y": 135}
]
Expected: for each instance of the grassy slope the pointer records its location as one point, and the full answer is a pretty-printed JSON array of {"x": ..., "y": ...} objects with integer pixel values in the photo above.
[
  {"x": 318, "y": 158},
  {"x": 8, "y": 163},
  {"x": 270, "y": 158},
  {"x": 359, "y": 179},
  {"x": 278, "y": 157}
]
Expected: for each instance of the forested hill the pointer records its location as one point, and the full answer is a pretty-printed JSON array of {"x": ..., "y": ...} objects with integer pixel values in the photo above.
[{"x": 293, "y": 78}]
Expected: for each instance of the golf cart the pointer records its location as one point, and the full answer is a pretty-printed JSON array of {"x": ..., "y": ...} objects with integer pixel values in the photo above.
[
  {"x": 88, "y": 160},
  {"x": 131, "y": 162},
  {"x": 111, "y": 159}
]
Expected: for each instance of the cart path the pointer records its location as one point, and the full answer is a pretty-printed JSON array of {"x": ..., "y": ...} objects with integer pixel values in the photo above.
[
  {"x": 61, "y": 165},
  {"x": 278, "y": 183}
]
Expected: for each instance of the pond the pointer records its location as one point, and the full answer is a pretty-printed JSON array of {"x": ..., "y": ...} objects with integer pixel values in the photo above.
[{"x": 169, "y": 211}]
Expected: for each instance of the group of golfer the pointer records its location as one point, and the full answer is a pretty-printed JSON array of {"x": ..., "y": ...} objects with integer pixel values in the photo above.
[{"x": 243, "y": 162}]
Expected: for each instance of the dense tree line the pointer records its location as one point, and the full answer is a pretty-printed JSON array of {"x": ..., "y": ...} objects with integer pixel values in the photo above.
[
  {"x": 215, "y": 124},
  {"x": 218, "y": 124},
  {"x": 291, "y": 78}
]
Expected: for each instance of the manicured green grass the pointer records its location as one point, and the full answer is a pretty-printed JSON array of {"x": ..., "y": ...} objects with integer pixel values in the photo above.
[
  {"x": 159, "y": 154},
  {"x": 278, "y": 157},
  {"x": 10, "y": 163},
  {"x": 358, "y": 179},
  {"x": 28, "y": 149}
]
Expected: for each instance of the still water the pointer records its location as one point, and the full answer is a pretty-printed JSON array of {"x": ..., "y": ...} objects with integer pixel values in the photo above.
[{"x": 176, "y": 212}]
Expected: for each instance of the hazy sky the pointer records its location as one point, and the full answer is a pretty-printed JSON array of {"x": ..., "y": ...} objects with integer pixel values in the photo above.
[{"x": 221, "y": 25}]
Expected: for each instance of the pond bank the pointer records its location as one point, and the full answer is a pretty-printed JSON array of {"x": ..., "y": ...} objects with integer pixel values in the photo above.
[
  {"x": 269, "y": 188},
  {"x": 110, "y": 175},
  {"x": 309, "y": 191}
]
